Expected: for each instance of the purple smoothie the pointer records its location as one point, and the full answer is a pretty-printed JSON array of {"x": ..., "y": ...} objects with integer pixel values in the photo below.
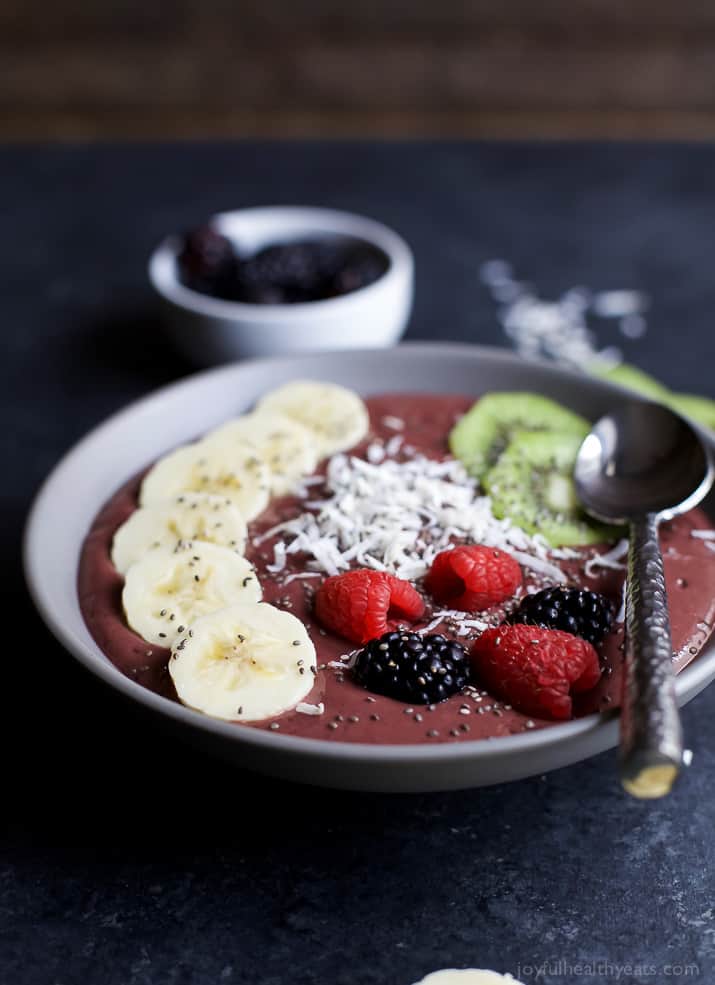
[{"x": 351, "y": 713}]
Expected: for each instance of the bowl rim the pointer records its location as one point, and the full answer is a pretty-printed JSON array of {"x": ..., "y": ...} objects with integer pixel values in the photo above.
[
  {"x": 163, "y": 276},
  {"x": 695, "y": 676}
]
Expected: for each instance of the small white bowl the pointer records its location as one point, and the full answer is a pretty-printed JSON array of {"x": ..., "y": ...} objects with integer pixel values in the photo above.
[{"x": 209, "y": 330}]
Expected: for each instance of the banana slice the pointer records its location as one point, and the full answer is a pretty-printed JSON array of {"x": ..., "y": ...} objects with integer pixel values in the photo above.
[
  {"x": 188, "y": 517},
  {"x": 168, "y": 589},
  {"x": 337, "y": 417},
  {"x": 234, "y": 471},
  {"x": 467, "y": 976},
  {"x": 288, "y": 448},
  {"x": 244, "y": 663}
]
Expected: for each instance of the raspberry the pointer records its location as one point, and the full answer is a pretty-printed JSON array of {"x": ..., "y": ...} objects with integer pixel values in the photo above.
[
  {"x": 472, "y": 578},
  {"x": 409, "y": 667},
  {"x": 363, "y": 604},
  {"x": 535, "y": 669},
  {"x": 574, "y": 610}
]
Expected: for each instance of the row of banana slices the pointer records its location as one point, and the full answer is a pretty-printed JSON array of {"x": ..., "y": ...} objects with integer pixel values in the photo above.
[{"x": 187, "y": 583}]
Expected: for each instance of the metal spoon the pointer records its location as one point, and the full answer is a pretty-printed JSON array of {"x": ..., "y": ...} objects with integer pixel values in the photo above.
[{"x": 640, "y": 464}]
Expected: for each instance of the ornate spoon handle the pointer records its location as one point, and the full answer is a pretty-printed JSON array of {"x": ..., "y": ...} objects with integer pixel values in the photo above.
[{"x": 651, "y": 735}]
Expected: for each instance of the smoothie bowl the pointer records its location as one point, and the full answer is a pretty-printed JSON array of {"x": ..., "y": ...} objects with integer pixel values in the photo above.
[{"x": 369, "y": 574}]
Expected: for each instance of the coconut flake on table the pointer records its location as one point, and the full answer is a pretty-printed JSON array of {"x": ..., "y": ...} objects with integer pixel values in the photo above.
[
  {"x": 559, "y": 330},
  {"x": 619, "y": 304},
  {"x": 706, "y": 536},
  {"x": 397, "y": 517}
]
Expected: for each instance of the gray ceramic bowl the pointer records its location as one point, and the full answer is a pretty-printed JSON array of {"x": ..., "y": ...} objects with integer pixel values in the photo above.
[{"x": 133, "y": 438}]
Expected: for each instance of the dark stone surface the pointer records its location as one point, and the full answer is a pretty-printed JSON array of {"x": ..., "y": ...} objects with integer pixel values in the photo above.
[{"x": 126, "y": 859}]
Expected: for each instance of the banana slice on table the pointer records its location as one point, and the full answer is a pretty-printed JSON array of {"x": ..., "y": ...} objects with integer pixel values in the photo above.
[
  {"x": 234, "y": 471},
  {"x": 336, "y": 416},
  {"x": 244, "y": 663},
  {"x": 187, "y": 517},
  {"x": 288, "y": 448},
  {"x": 467, "y": 976},
  {"x": 168, "y": 589}
]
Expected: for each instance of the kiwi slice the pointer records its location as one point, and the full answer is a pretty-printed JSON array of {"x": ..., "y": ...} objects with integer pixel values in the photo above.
[
  {"x": 633, "y": 378},
  {"x": 700, "y": 409},
  {"x": 531, "y": 485},
  {"x": 479, "y": 438}
]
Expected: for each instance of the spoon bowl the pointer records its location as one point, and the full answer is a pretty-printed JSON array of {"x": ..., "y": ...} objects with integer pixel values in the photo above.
[{"x": 642, "y": 458}]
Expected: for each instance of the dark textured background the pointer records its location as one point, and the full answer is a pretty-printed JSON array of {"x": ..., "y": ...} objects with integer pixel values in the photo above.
[
  {"x": 126, "y": 859},
  {"x": 127, "y": 68}
]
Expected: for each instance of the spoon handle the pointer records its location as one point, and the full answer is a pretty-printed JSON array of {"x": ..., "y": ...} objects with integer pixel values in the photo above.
[{"x": 651, "y": 735}]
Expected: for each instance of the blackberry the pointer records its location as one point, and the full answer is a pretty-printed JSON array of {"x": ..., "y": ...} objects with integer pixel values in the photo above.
[
  {"x": 572, "y": 610},
  {"x": 308, "y": 270},
  {"x": 363, "y": 265},
  {"x": 284, "y": 273},
  {"x": 207, "y": 262},
  {"x": 408, "y": 667},
  {"x": 289, "y": 273}
]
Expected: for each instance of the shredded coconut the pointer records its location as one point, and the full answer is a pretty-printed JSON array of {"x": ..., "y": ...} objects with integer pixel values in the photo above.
[
  {"x": 397, "y": 516},
  {"x": 611, "y": 559},
  {"x": 394, "y": 423},
  {"x": 307, "y": 709},
  {"x": 343, "y": 661},
  {"x": 703, "y": 534},
  {"x": 540, "y": 565},
  {"x": 302, "y": 489},
  {"x": 565, "y": 553},
  {"x": 375, "y": 452},
  {"x": 393, "y": 445},
  {"x": 279, "y": 559},
  {"x": 300, "y": 574},
  {"x": 455, "y": 616}
]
